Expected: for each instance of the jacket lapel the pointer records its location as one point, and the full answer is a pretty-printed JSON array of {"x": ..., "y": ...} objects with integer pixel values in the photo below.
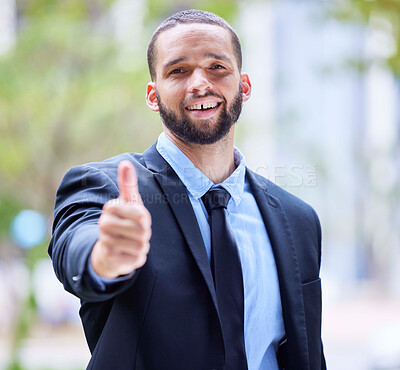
[
  {"x": 177, "y": 197},
  {"x": 282, "y": 243}
]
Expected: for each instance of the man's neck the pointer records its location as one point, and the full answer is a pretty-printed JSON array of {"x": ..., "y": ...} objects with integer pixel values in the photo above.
[{"x": 216, "y": 160}]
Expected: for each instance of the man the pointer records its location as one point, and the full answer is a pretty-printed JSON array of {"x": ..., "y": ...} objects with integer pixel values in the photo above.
[{"x": 167, "y": 279}]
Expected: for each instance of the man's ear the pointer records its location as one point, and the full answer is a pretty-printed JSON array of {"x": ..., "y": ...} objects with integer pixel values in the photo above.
[
  {"x": 246, "y": 87},
  {"x": 151, "y": 97}
]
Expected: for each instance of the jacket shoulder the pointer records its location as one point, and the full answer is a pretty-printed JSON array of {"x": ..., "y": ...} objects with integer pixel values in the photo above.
[
  {"x": 106, "y": 170},
  {"x": 289, "y": 201}
]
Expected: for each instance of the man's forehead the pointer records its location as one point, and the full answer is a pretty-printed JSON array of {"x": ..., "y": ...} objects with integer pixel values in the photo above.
[{"x": 194, "y": 34}]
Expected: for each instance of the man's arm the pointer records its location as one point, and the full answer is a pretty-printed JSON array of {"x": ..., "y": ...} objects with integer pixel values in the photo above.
[{"x": 114, "y": 237}]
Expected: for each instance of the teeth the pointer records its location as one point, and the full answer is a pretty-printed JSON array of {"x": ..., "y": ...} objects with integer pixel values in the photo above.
[{"x": 202, "y": 106}]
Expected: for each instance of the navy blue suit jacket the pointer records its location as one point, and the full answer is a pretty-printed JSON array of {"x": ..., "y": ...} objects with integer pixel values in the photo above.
[{"x": 166, "y": 316}]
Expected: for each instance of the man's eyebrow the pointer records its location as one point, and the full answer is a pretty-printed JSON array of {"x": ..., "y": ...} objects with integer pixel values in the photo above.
[
  {"x": 218, "y": 56},
  {"x": 208, "y": 55},
  {"x": 174, "y": 61}
]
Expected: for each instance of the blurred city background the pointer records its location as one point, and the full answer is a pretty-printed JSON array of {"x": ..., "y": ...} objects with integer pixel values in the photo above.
[{"x": 323, "y": 122}]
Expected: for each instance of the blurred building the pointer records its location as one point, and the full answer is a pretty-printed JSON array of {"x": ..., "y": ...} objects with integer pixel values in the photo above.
[
  {"x": 326, "y": 128},
  {"x": 327, "y": 132}
]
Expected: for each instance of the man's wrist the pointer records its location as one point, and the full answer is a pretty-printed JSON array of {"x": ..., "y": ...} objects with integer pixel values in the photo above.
[{"x": 102, "y": 284}]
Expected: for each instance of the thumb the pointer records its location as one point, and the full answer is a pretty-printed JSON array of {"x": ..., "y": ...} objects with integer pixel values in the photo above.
[{"x": 128, "y": 183}]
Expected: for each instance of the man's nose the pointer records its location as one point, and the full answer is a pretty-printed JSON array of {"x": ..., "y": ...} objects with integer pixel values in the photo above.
[{"x": 199, "y": 82}]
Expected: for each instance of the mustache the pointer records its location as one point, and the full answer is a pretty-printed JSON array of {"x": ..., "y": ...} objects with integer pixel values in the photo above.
[{"x": 198, "y": 96}]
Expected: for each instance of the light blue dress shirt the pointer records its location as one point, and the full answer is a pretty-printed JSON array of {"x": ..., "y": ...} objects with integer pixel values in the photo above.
[{"x": 263, "y": 323}]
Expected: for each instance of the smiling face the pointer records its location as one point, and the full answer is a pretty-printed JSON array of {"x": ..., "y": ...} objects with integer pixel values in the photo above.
[{"x": 198, "y": 88}]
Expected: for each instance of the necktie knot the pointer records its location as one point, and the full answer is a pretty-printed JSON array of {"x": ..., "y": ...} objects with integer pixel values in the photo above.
[{"x": 216, "y": 198}]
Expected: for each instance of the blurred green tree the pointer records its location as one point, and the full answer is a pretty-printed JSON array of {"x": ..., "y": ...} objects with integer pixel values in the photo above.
[
  {"x": 70, "y": 93},
  {"x": 66, "y": 98},
  {"x": 387, "y": 11}
]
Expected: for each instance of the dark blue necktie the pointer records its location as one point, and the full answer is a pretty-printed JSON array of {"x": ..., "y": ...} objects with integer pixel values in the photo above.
[{"x": 228, "y": 281}]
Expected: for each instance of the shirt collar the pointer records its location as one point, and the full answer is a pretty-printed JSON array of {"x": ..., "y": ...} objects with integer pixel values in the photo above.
[{"x": 194, "y": 180}]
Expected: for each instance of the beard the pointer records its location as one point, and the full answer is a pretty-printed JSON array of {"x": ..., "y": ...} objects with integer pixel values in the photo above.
[{"x": 183, "y": 127}]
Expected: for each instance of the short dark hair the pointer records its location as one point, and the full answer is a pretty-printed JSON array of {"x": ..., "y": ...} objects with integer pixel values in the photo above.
[{"x": 187, "y": 17}]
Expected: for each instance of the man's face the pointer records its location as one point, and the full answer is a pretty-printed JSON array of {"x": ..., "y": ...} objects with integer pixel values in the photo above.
[{"x": 198, "y": 88}]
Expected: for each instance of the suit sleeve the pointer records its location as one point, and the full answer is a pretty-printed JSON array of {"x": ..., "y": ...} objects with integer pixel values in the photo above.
[{"x": 79, "y": 201}]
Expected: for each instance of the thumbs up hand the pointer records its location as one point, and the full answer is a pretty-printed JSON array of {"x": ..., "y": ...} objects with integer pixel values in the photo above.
[{"x": 125, "y": 229}]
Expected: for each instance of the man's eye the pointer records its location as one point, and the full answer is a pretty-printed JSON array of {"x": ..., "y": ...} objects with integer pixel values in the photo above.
[
  {"x": 217, "y": 66},
  {"x": 176, "y": 71}
]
